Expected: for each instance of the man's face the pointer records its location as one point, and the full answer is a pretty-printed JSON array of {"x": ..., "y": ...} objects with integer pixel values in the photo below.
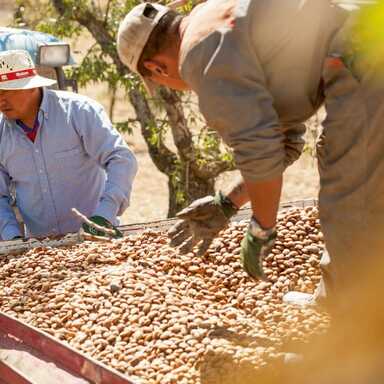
[
  {"x": 15, "y": 104},
  {"x": 164, "y": 68}
]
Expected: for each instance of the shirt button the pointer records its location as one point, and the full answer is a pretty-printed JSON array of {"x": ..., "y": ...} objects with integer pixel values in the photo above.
[
  {"x": 36, "y": 150},
  {"x": 41, "y": 171}
]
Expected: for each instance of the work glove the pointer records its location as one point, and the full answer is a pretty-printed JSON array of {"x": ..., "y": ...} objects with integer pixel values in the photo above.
[
  {"x": 255, "y": 246},
  {"x": 201, "y": 222},
  {"x": 100, "y": 221}
]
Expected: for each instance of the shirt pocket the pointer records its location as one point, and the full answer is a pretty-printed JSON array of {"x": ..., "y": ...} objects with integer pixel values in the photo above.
[
  {"x": 70, "y": 161},
  {"x": 69, "y": 153}
]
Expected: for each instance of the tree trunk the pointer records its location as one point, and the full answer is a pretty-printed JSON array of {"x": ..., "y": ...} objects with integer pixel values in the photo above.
[
  {"x": 188, "y": 178},
  {"x": 190, "y": 188}
]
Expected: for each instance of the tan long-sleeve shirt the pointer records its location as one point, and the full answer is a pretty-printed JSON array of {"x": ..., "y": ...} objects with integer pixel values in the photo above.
[{"x": 256, "y": 67}]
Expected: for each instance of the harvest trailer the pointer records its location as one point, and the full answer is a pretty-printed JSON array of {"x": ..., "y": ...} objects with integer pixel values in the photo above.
[{"x": 29, "y": 355}]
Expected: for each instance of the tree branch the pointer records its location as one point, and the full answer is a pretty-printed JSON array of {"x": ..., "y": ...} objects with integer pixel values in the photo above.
[
  {"x": 183, "y": 138},
  {"x": 181, "y": 134},
  {"x": 164, "y": 159},
  {"x": 97, "y": 28},
  {"x": 107, "y": 12}
]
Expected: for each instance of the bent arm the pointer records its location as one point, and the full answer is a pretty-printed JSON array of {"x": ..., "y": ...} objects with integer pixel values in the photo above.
[
  {"x": 237, "y": 193},
  {"x": 294, "y": 144},
  {"x": 103, "y": 143},
  {"x": 235, "y": 100},
  {"x": 265, "y": 198}
]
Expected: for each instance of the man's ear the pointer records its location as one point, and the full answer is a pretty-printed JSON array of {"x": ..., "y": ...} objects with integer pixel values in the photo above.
[{"x": 156, "y": 68}]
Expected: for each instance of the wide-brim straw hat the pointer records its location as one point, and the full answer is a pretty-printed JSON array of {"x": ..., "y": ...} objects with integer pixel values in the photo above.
[{"x": 17, "y": 71}]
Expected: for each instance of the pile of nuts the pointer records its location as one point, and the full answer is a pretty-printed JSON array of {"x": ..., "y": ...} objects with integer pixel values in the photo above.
[{"x": 138, "y": 306}]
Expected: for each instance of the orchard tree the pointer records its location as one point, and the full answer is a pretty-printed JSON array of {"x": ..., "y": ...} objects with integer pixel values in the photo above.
[{"x": 197, "y": 159}]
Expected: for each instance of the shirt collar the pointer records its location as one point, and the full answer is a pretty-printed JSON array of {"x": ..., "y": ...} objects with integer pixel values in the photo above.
[{"x": 44, "y": 102}]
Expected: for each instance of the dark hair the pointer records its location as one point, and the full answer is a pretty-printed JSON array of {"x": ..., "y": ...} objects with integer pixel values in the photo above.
[{"x": 163, "y": 36}]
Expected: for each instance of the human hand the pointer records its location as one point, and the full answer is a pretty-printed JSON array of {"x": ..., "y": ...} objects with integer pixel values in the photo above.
[
  {"x": 201, "y": 222},
  {"x": 101, "y": 222}
]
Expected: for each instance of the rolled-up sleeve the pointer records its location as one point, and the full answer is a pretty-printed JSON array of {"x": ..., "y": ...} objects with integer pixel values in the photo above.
[
  {"x": 235, "y": 101},
  {"x": 293, "y": 142},
  {"x": 9, "y": 227},
  {"x": 103, "y": 143}
]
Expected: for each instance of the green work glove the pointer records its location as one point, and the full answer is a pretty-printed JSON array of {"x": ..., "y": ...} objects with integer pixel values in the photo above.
[
  {"x": 201, "y": 222},
  {"x": 256, "y": 244},
  {"x": 100, "y": 221}
]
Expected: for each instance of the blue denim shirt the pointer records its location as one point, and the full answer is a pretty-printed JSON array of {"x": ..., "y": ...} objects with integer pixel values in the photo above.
[{"x": 77, "y": 160}]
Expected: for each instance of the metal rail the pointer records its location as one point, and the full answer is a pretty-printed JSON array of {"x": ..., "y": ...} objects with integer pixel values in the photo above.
[
  {"x": 20, "y": 341},
  {"x": 11, "y": 375},
  {"x": 13, "y": 247},
  {"x": 243, "y": 214}
]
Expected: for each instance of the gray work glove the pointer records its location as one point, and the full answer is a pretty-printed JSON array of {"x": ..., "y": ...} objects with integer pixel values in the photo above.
[{"x": 201, "y": 222}]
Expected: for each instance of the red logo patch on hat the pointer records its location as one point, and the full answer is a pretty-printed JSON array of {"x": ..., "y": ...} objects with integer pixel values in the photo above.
[{"x": 17, "y": 75}]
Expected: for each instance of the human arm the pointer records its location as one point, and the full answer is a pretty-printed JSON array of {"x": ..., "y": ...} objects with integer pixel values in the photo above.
[
  {"x": 263, "y": 183},
  {"x": 293, "y": 142},
  {"x": 9, "y": 227},
  {"x": 234, "y": 98},
  {"x": 265, "y": 198},
  {"x": 237, "y": 193},
  {"x": 106, "y": 146},
  {"x": 261, "y": 233}
]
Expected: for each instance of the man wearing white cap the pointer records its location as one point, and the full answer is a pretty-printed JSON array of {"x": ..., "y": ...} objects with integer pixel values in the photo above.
[
  {"x": 260, "y": 69},
  {"x": 61, "y": 152}
]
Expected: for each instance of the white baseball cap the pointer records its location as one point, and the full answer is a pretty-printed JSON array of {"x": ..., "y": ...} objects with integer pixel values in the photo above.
[
  {"x": 133, "y": 35},
  {"x": 17, "y": 71}
]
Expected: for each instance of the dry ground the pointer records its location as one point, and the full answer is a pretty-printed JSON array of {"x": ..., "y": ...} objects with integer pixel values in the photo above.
[{"x": 150, "y": 197}]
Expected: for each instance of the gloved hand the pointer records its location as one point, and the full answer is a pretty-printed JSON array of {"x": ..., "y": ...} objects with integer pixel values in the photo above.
[
  {"x": 201, "y": 222},
  {"x": 102, "y": 222},
  {"x": 256, "y": 244}
]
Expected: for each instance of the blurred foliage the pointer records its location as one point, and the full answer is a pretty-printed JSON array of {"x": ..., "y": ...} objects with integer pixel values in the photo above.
[{"x": 369, "y": 31}]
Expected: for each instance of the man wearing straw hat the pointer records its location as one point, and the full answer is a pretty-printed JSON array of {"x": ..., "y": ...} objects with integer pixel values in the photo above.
[
  {"x": 260, "y": 69},
  {"x": 61, "y": 152}
]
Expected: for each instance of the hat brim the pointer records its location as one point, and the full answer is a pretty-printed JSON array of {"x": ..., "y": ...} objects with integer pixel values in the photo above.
[{"x": 27, "y": 83}]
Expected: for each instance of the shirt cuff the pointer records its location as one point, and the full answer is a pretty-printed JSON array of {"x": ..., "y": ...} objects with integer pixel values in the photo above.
[
  {"x": 255, "y": 173},
  {"x": 10, "y": 231},
  {"x": 107, "y": 209}
]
